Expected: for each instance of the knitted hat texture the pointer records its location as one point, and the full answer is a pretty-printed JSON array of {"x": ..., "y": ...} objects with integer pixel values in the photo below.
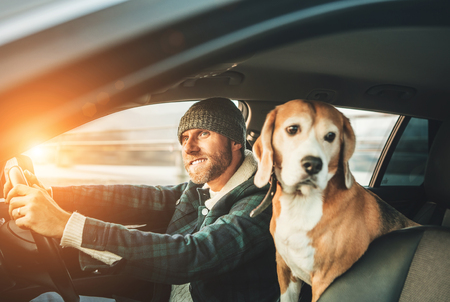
[{"x": 216, "y": 114}]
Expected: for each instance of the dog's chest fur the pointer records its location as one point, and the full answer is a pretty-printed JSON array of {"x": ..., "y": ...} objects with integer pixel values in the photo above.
[{"x": 298, "y": 216}]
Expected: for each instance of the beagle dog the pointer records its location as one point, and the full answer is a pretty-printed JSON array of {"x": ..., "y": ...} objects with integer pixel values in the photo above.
[{"x": 323, "y": 221}]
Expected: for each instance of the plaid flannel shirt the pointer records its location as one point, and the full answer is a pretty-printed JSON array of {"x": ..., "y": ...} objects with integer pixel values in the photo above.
[{"x": 225, "y": 254}]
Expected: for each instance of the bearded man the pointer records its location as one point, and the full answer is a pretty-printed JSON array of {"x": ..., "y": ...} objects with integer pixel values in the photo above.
[{"x": 210, "y": 250}]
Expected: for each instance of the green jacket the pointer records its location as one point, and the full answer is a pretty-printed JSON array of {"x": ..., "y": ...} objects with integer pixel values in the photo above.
[{"x": 225, "y": 255}]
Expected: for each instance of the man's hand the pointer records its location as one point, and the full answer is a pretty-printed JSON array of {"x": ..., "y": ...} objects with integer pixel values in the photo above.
[
  {"x": 33, "y": 208},
  {"x": 31, "y": 179}
]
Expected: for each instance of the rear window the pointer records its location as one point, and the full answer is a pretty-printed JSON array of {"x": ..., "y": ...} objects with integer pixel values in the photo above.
[{"x": 407, "y": 164}]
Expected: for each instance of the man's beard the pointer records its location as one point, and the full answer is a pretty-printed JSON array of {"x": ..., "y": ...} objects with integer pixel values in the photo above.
[{"x": 218, "y": 163}]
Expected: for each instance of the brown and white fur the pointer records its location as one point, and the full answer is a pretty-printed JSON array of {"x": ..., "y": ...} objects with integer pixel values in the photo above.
[{"x": 323, "y": 221}]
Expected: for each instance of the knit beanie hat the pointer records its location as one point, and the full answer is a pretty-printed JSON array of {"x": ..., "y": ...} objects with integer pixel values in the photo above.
[{"x": 216, "y": 114}]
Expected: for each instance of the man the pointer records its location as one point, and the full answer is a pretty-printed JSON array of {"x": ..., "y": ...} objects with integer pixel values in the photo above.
[{"x": 211, "y": 249}]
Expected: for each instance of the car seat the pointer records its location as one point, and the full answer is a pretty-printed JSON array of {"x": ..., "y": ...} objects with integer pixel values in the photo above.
[{"x": 409, "y": 265}]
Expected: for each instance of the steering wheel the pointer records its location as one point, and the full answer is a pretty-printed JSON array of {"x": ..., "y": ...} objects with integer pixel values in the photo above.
[{"x": 47, "y": 248}]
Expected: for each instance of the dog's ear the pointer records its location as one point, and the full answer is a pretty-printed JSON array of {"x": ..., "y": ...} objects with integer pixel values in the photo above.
[
  {"x": 263, "y": 151},
  {"x": 348, "y": 149}
]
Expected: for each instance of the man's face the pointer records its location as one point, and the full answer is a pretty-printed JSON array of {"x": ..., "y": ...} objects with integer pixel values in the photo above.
[{"x": 206, "y": 154}]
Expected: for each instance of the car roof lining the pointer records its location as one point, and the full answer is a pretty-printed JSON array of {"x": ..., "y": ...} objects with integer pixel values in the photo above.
[{"x": 348, "y": 64}]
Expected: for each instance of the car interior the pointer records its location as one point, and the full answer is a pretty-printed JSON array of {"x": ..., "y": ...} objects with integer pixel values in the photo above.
[{"x": 382, "y": 56}]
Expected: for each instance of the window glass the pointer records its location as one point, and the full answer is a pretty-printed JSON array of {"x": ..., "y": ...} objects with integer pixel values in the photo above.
[
  {"x": 135, "y": 146},
  {"x": 407, "y": 164},
  {"x": 372, "y": 130}
]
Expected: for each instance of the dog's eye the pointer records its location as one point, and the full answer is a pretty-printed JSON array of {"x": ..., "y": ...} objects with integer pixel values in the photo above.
[
  {"x": 330, "y": 137},
  {"x": 292, "y": 129}
]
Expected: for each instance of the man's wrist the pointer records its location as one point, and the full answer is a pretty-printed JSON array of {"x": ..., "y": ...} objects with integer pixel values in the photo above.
[
  {"x": 73, "y": 237},
  {"x": 73, "y": 232}
]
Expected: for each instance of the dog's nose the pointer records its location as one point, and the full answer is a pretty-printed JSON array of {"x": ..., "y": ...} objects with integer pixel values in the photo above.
[{"x": 311, "y": 164}]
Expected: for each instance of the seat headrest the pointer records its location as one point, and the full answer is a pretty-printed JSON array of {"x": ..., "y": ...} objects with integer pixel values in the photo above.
[{"x": 437, "y": 173}]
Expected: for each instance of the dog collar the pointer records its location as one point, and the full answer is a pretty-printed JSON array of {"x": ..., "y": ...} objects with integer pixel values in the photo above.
[{"x": 268, "y": 198}]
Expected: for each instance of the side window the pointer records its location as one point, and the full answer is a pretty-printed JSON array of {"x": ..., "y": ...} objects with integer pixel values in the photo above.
[
  {"x": 372, "y": 130},
  {"x": 135, "y": 146},
  {"x": 407, "y": 164}
]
